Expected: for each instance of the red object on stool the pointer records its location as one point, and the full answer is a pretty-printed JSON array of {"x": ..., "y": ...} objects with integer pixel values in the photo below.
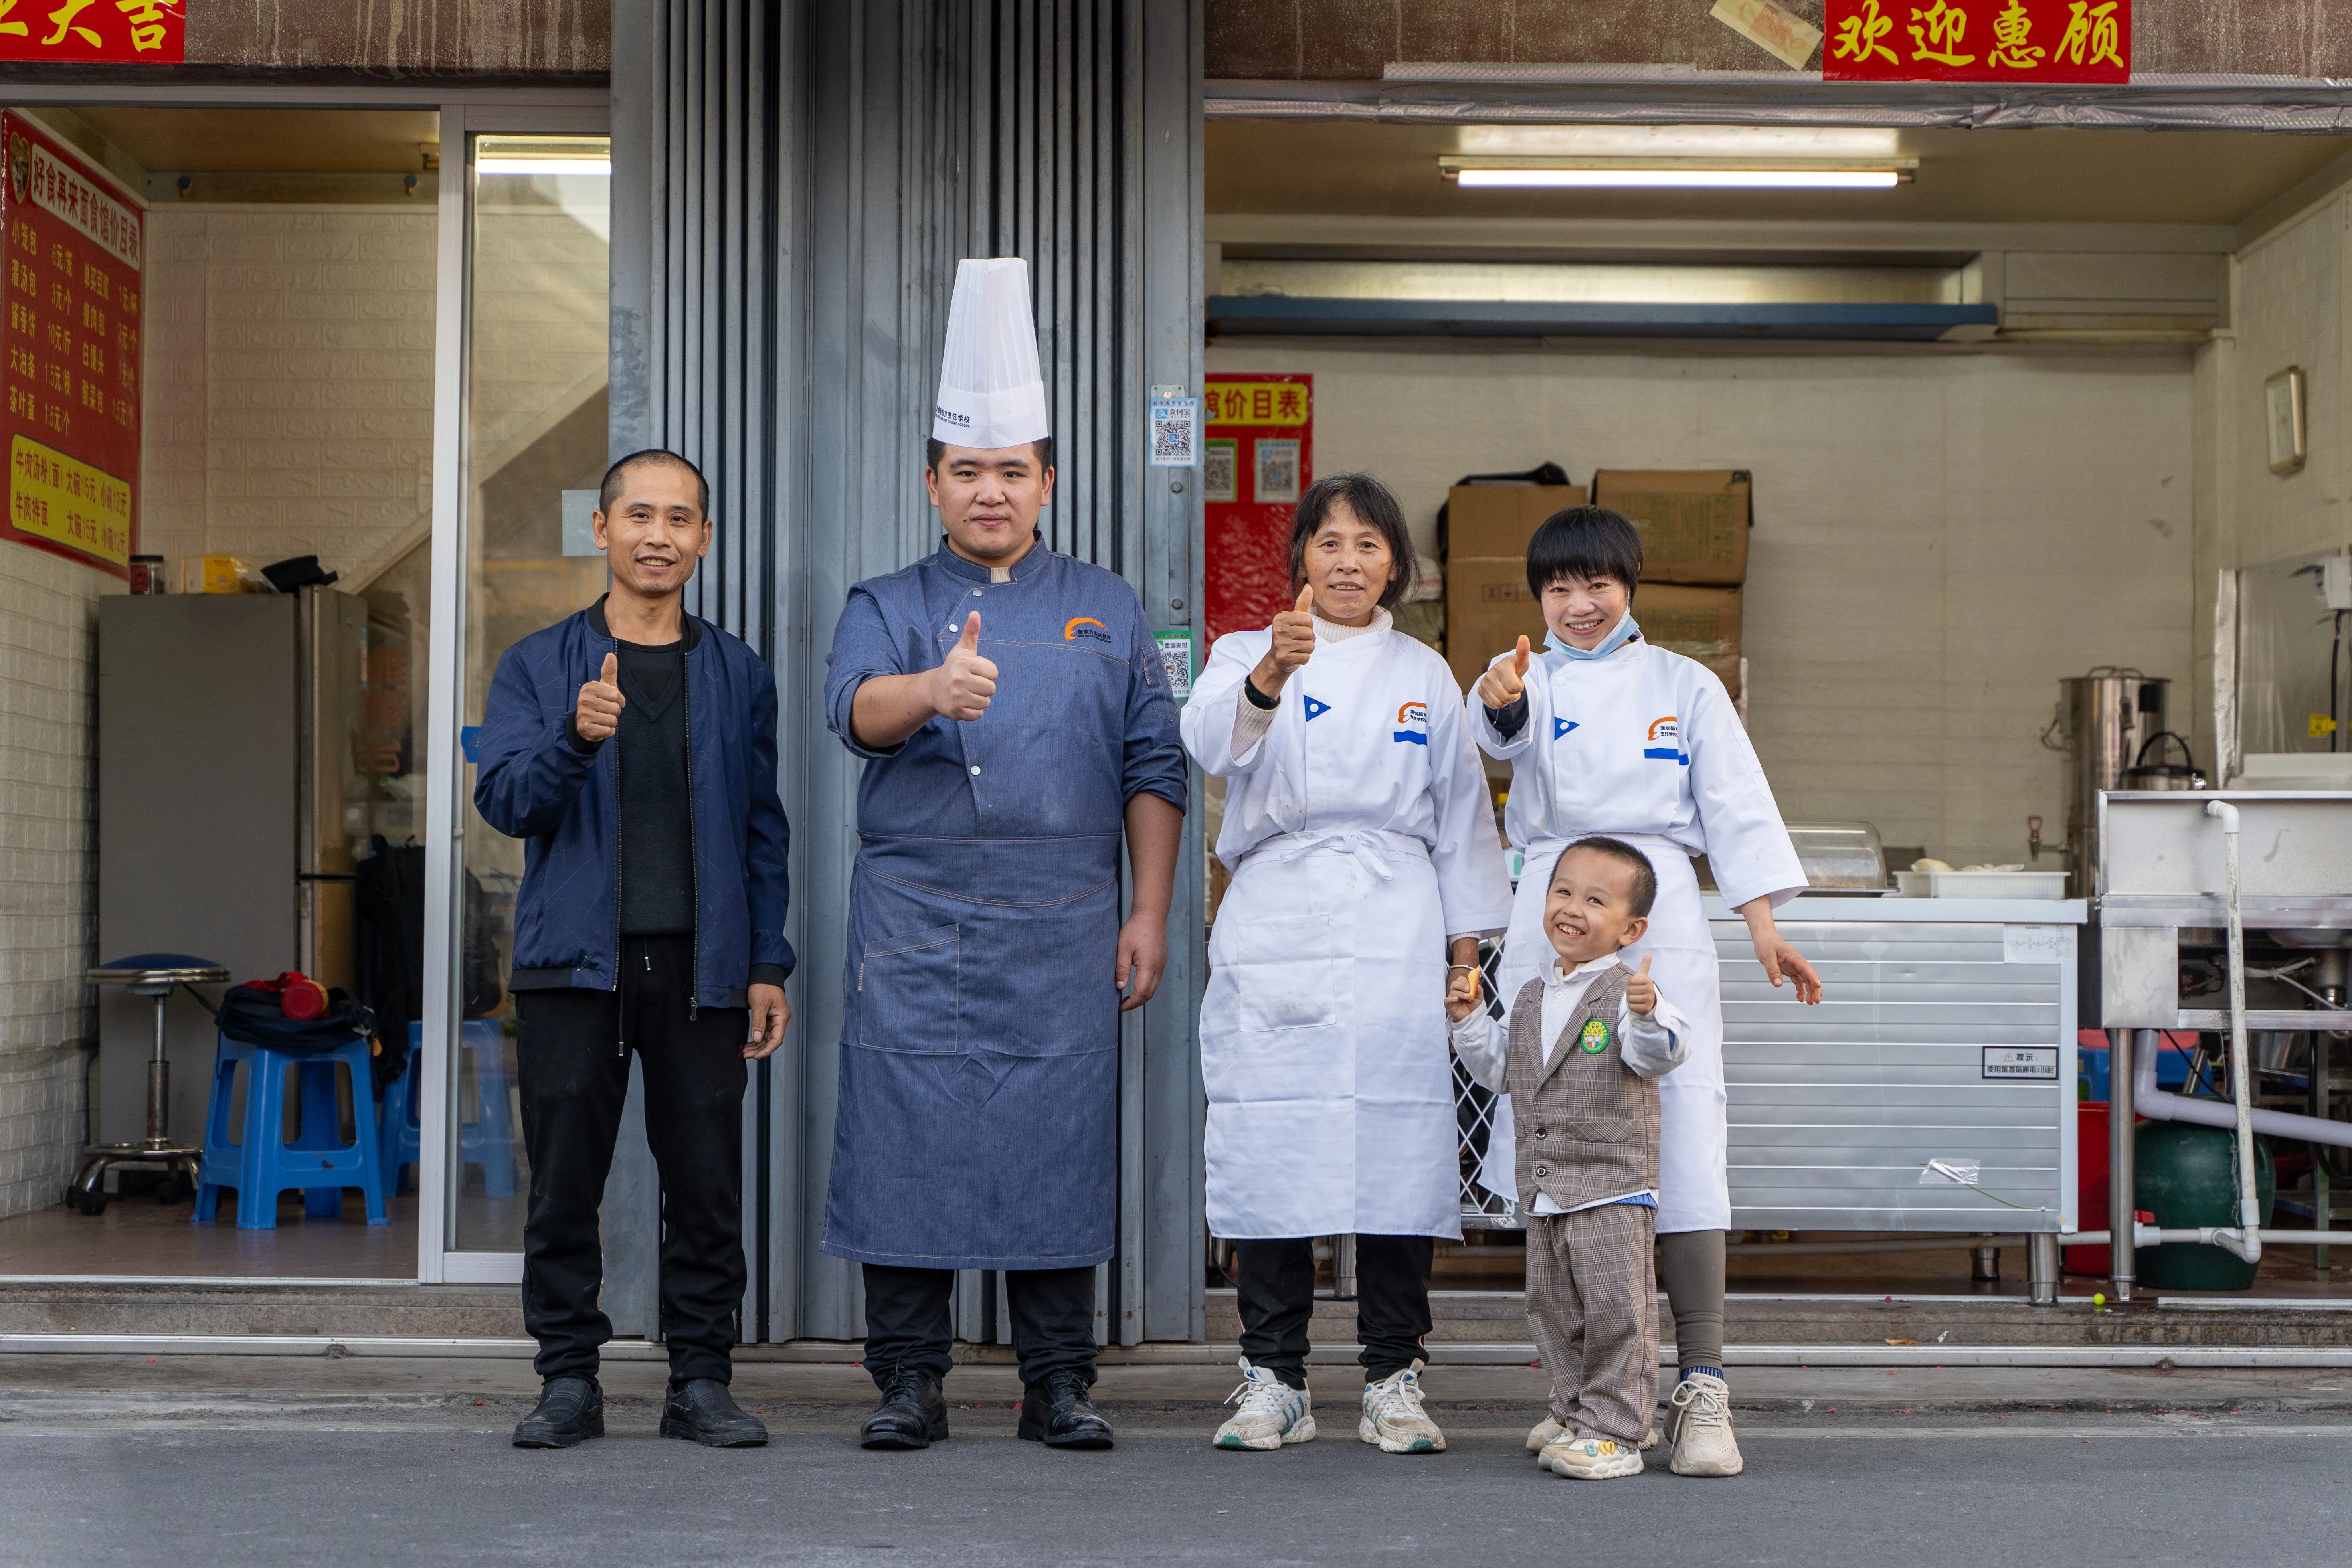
[{"x": 300, "y": 998}]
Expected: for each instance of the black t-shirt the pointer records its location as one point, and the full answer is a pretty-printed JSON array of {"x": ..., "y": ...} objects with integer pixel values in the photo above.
[{"x": 656, "y": 803}]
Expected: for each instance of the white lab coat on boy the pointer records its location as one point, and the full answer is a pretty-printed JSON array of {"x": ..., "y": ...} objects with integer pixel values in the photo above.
[
  {"x": 1361, "y": 836},
  {"x": 1643, "y": 745}
]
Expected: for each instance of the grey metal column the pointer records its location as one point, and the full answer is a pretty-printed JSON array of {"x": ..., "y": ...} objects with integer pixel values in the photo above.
[
  {"x": 701, "y": 189},
  {"x": 792, "y": 188},
  {"x": 2122, "y": 1210}
]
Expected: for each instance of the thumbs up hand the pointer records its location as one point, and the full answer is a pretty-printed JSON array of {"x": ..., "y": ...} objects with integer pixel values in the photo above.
[
  {"x": 963, "y": 684},
  {"x": 1294, "y": 634},
  {"x": 1641, "y": 991},
  {"x": 597, "y": 712},
  {"x": 1506, "y": 682}
]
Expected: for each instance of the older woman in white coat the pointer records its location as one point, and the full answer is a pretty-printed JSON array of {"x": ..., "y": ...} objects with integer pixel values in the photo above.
[
  {"x": 1609, "y": 734},
  {"x": 1365, "y": 857}
]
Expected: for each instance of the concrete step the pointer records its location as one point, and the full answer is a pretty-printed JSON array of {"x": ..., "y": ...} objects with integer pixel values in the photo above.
[
  {"x": 1499, "y": 1316},
  {"x": 153, "y": 1306}
]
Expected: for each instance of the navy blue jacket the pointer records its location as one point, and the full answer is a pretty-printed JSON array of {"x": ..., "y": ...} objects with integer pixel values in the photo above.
[{"x": 534, "y": 784}]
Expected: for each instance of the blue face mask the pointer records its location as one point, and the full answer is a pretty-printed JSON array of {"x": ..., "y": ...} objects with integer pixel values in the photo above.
[{"x": 1625, "y": 631}]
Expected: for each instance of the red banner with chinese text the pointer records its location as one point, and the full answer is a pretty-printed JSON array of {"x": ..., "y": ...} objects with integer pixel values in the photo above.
[
  {"x": 1258, "y": 457},
  {"x": 71, "y": 290},
  {"x": 82, "y": 32},
  {"x": 1976, "y": 41}
]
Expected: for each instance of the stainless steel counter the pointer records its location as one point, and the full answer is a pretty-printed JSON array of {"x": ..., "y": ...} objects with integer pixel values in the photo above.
[{"x": 1946, "y": 1036}]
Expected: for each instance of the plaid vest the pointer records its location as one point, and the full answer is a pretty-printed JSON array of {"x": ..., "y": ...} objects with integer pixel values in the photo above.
[{"x": 1587, "y": 1123}]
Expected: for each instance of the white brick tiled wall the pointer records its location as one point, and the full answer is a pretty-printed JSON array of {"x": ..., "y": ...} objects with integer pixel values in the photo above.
[
  {"x": 1938, "y": 537},
  {"x": 289, "y": 383},
  {"x": 49, "y": 905}
]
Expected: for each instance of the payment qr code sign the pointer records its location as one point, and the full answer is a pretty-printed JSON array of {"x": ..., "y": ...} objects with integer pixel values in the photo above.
[
  {"x": 1277, "y": 470},
  {"x": 1219, "y": 469},
  {"x": 1175, "y": 432},
  {"x": 1176, "y": 659}
]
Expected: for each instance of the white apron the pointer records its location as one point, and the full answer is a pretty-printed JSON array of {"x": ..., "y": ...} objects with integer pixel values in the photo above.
[
  {"x": 1323, "y": 1045},
  {"x": 1694, "y": 1191},
  {"x": 1361, "y": 837}
]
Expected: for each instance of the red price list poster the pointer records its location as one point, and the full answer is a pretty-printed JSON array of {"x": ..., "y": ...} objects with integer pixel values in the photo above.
[
  {"x": 70, "y": 296},
  {"x": 1257, "y": 459}
]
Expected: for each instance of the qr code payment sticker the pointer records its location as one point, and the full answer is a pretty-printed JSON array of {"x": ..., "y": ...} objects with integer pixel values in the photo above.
[
  {"x": 1175, "y": 432},
  {"x": 1277, "y": 470}
]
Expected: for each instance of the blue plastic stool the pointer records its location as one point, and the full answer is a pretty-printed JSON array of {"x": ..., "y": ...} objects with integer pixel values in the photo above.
[
  {"x": 488, "y": 1141},
  {"x": 262, "y": 1164}
]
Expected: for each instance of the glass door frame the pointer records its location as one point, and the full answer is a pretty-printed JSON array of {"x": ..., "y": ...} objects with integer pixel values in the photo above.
[{"x": 438, "y": 1262}]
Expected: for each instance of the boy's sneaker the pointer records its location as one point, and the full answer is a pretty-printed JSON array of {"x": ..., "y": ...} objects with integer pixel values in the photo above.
[
  {"x": 1393, "y": 1416},
  {"x": 1592, "y": 1459},
  {"x": 1547, "y": 1432},
  {"x": 1699, "y": 1425},
  {"x": 1272, "y": 1413}
]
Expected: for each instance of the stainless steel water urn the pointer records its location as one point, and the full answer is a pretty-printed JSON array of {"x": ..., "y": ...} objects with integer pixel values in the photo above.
[{"x": 2104, "y": 720}]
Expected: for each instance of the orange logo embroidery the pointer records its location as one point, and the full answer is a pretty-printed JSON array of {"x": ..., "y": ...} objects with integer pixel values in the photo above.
[{"x": 1080, "y": 627}]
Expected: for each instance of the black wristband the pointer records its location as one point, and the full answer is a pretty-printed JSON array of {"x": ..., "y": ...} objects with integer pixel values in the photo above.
[{"x": 1258, "y": 699}]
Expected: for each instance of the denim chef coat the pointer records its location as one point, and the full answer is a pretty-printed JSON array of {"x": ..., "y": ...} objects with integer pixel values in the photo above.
[{"x": 977, "y": 1125}]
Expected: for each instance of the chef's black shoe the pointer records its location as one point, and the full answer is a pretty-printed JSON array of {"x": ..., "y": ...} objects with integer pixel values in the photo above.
[
  {"x": 913, "y": 1413},
  {"x": 701, "y": 1411},
  {"x": 570, "y": 1410},
  {"x": 1058, "y": 1413}
]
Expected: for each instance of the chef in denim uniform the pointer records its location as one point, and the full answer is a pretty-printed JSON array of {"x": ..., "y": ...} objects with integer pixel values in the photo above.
[{"x": 1016, "y": 725}]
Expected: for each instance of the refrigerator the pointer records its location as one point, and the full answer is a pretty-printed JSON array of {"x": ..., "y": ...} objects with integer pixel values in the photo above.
[{"x": 233, "y": 732}]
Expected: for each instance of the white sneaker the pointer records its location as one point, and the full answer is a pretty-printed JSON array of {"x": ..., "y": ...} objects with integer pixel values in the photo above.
[
  {"x": 1393, "y": 1416},
  {"x": 1547, "y": 1432},
  {"x": 1699, "y": 1425},
  {"x": 1272, "y": 1413},
  {"x": 1592, "y": 1459}
]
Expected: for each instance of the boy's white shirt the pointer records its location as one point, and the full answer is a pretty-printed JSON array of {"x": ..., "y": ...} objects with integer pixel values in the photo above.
[{"x": 1651, "y": 1046}]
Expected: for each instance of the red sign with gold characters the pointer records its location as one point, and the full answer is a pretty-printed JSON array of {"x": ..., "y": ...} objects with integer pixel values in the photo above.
[
  {"x": 126, "y": 32},
  {"x": 1978, "y": 40},
  {"x": 1258, "y": 458},
  {"x": 70, "y": 294}
]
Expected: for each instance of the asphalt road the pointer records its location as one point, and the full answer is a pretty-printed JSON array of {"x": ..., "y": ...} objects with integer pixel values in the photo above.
[{"x": 440, "y": 1485}]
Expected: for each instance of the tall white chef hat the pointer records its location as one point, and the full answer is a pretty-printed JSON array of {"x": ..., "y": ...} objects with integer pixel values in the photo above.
[{"x": 991, "y": 392}]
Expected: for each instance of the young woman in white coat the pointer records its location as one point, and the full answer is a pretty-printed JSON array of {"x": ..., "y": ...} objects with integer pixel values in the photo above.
[
  {"x": 1609, "y": 734},
  {"x": 1365, "y": 861}
]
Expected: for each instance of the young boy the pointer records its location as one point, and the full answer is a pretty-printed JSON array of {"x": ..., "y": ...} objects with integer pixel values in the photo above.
[{"x": 1588, "y": 1041}]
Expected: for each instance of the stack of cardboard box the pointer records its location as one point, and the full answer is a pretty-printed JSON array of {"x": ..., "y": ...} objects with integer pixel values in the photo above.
[{"x": 1693, "y": 528}]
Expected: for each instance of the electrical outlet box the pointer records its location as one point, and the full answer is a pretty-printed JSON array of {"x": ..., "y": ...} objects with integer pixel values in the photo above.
[{"x": 2335, "y": 582}]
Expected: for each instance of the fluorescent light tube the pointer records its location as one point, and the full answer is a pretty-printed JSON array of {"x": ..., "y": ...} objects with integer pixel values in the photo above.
[
  {"x": 1685, "y": 178},
  {"x": 589, "y": 168}
]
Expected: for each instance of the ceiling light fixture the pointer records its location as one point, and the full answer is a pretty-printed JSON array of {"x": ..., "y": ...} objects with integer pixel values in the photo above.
[
  {"x": 1679, "y": 173},
  {"x": 590, "y": 168}
]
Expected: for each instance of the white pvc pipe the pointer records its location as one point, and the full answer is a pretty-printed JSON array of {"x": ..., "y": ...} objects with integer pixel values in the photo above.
[
  {"x": 2158, "y": 1106},
  {"x": 2248, "y": 1241}
]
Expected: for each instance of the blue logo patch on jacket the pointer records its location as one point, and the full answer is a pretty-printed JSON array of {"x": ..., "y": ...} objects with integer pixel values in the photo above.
[
  {"x": 1409, "y": 716},
  {"x": 1560, "y": 727},
  {"x": 1665, "y": 736},
  {"x": 1314, "y": 709}
]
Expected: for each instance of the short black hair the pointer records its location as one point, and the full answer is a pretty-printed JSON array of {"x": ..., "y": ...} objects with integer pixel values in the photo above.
[
  {"x": 1645, "y": 876},
  {"x": 935, "y": 448},
  {"x": 1584, "y": 542},
  {"x": 610, "y": 490},
  {"x": 1370, "y": 502}
]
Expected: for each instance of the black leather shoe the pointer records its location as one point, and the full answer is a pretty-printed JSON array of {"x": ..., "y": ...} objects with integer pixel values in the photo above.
[
  {"x": 1059, "y": 1413},
  {"x": 913, "y": 1413},
  {"x": 702, "y": 1411},
  {"x": 570, "y": 1410}
]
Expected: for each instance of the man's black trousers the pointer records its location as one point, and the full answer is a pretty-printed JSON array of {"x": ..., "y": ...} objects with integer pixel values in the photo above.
[
  {"x": 575, "y": 1049},
  {"x": 1274, "y": 1286},
  {"x": 909, "y": 1324}
]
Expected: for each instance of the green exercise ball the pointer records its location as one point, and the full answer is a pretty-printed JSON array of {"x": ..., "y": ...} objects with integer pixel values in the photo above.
[{"x": 2186, "y": 1176}]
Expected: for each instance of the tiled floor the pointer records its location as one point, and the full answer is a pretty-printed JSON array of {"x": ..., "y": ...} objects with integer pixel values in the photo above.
[{"x": 138, "y": 1236}]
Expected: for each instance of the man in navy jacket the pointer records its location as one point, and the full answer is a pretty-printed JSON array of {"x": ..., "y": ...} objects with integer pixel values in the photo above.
[{"x": 634, "y": 747}]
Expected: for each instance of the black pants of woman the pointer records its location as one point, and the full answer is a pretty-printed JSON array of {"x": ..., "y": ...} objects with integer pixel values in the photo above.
[{"x": 1275, "y": 1288}]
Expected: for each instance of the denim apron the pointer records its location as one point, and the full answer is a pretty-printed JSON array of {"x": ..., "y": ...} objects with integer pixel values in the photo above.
[{"x": 977, "y": 1125}]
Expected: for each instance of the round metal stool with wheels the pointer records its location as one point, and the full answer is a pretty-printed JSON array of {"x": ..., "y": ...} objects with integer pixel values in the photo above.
[{"x": 148, "y": 974}]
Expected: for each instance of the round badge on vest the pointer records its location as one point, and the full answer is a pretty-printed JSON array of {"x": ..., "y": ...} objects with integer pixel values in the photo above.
[{"x": 1595, "y": 1037}]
